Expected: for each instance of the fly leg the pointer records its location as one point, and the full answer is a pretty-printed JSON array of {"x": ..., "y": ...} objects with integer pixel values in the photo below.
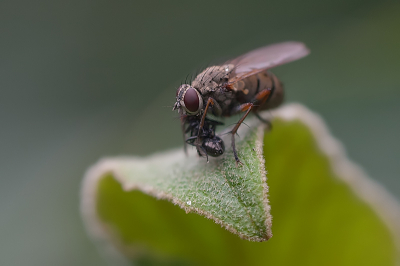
[
  {"x": 259, "y": 100},
  {"x": 267, "y": 122},
  {"x": 184, "y": 133},
  {"x": 211, "y": 102},
  {"x": 246, "y": 107},
  {"x": 200, "y": 150}
]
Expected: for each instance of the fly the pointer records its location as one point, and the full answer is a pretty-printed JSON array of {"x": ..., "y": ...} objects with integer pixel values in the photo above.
[{"x": 241, "y": 85}]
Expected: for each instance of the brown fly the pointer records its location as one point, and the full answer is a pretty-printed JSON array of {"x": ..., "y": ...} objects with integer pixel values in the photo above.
[{"x": 243, "y": 84}]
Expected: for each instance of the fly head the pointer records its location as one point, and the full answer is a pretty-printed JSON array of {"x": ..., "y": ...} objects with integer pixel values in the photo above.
[{"x": 188, "y": 100}]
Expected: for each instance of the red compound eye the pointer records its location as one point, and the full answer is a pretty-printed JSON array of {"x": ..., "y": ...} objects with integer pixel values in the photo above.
[{"x": 191, "y": 100}]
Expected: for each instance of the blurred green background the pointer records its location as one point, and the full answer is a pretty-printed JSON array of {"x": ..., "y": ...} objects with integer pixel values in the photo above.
[{"x": 80, "y": 80}]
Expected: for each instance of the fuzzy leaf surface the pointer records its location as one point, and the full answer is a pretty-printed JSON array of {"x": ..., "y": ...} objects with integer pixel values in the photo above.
[{"x": 326, "y": 211}]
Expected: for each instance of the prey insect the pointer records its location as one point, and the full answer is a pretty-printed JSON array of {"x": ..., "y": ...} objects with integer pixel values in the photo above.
[
  {"x": 210, "y": 143},
  {"x": 241, "y": 85}
]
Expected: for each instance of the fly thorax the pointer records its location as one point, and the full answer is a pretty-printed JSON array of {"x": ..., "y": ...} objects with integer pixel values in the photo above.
[{"x": 211, "y": 78}]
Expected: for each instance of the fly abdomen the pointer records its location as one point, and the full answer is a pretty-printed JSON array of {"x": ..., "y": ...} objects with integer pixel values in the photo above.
[{"x": 248, "y": 88}]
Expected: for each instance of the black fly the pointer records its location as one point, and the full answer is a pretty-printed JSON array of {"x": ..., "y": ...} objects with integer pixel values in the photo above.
[{"x": 210, "y": 144}]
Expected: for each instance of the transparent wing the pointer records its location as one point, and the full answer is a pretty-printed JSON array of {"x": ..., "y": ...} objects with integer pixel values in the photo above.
[{"x": 266, "y": 57}]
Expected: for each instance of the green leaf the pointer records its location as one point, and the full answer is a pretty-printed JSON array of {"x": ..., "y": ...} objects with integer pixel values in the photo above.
[{"x": 326, "y": 211}]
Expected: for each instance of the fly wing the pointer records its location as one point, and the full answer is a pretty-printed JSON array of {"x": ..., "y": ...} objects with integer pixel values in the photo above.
[{"x": 266, "y": 57}]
